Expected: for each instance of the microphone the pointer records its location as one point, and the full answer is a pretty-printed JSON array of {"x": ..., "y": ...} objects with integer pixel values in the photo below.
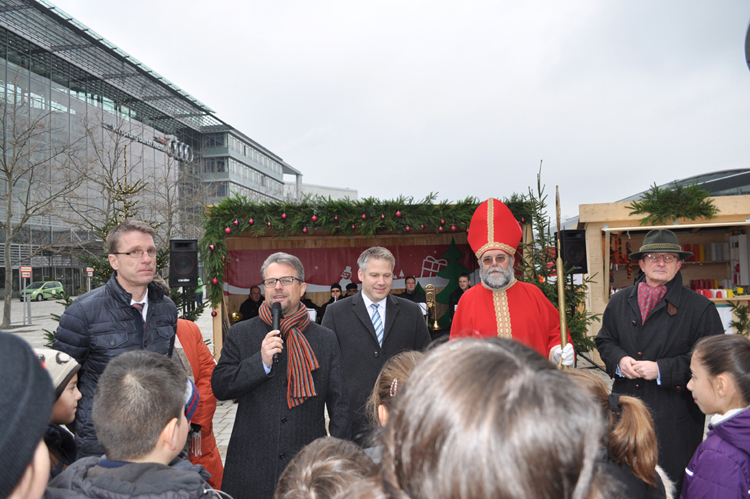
[{"x": 276, "y": 314}]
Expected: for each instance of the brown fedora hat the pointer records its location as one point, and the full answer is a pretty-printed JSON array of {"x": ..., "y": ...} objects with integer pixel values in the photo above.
[{"x": 660, "y": 241}]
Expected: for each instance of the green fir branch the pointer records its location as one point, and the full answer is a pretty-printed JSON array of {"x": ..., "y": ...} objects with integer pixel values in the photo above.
[{"x": 665, "y": 206}]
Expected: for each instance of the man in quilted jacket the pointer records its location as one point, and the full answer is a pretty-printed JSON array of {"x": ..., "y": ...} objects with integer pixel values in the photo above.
[{"x": 128, "y": 313}]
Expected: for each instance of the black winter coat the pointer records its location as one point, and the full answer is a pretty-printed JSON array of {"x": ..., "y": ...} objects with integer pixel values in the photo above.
[
  {"x": 671, "y": 330},
  {"x": 98, "y": 327}
]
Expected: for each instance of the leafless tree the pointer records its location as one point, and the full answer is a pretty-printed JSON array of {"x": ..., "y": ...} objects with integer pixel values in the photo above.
[{"x": 39, "y": 166}]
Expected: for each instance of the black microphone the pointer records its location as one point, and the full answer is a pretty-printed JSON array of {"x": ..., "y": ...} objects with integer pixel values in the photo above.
[{"x": 276, "y": 314}]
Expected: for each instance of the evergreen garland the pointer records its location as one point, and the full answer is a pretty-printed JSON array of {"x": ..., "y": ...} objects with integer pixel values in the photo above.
[
  {"x": 664, "y": 206},
  {"x": 318, "y": 216}
]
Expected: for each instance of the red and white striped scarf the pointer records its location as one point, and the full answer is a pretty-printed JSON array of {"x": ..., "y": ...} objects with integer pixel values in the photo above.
[{"x": 302, "y": 361}]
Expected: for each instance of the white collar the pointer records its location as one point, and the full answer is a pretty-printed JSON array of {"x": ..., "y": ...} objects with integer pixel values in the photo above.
[{"x": 369, "y": 302}]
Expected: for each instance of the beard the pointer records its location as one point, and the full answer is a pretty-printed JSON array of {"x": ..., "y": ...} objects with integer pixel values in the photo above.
[{"x": 496, "y": 278}]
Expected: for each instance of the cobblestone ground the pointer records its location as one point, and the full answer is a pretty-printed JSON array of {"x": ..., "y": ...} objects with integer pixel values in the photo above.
[{"x": 41, "y": 319}]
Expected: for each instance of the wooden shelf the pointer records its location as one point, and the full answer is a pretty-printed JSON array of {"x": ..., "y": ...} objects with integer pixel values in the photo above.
[{"x": 742, "y": 298}]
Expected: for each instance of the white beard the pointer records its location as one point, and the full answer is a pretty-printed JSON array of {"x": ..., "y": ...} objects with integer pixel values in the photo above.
[{"x": 496, "y": 278}]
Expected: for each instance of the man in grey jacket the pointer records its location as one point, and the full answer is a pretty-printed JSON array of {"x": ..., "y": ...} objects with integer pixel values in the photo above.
[{"x": 128, "y": 313}]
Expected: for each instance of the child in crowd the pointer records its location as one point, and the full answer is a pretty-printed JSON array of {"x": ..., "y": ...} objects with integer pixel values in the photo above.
[
  {"x": 61, "y": 444},
  {"x": 26, "y": 400},
  {"x": 720, "y": 467},
  {"x": 390, "y": 382},
  {"x": 324, "y": 468},
  {"x": 491, "y": 418},
  {"x": 139, "y": 416},
  {"x": 629, "y": 452}
]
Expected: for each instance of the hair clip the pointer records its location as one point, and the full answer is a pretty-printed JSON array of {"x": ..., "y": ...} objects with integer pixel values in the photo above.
[
  {"x": 614, "y": 402},
  {"x": 394, "y": 387}
]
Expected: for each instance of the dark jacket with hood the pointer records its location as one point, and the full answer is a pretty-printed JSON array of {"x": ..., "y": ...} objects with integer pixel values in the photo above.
[
  {"x": 86, "y": 478},
  {"x": 101, "y": 325},
  {"x": 720, "y": 467}
]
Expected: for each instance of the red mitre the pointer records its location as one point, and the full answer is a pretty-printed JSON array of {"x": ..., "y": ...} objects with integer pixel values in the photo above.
[{"x": 493, "y": 226}]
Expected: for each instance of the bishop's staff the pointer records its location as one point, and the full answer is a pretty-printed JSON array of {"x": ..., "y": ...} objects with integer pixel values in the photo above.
[{"x": 560, "y": 286}]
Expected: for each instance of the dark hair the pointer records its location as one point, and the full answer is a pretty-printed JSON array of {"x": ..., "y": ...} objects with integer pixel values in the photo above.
[
  {"x": 629, "y": 435},
  {"x": 486, "y": 418},
  {"x": 466, "y": 275},
  {"x": 136, "y": 396},
  {"x": 254, "y": 287},
  {"x": 284, "y": 259},
  {"x": 113, "y": 237},
  {"x": 323, "y": 468},
  {"x": 727, "y": 353},
  {"x": 399, "y": 368},
  {"x": 411, "y": 277}
]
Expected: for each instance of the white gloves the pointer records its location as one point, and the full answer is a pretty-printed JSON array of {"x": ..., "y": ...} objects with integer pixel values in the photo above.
[{"x": 568, "y": 355}]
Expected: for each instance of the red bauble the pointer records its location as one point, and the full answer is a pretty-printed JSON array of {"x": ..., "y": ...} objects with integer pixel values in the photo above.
[
  {"x": 421, "y": 226},
  {"x": 211, "y": 247},
  {"x": 283, "y": 215},
  {"x": 336, "y": 218},
  {"x": 440, "y": 229},
  {"x": 213, "y": 313},
  {"x": 269, "y": 224},
  {"x": 407, "y": 228},
  {"x": 453, "y": 228},
  {"x": 251, "y": 221},
  {"x": 227, "y": 230},
  {"x": 215, "y": 281},
  {"x": 354, "y": 226},
  {"x": 523, "y": 219},
  {"x": 223, "y": 258},
  {"x": 398, "y": 214},
  {"x": 382, "y": 217},
  {"x": 442, "y": 222},
  {"x": 304, "y": 230},
  {"x": 364, "y": 216},
  {"x": 314, "y": 218},
  {"x": 236, "y": 222}
]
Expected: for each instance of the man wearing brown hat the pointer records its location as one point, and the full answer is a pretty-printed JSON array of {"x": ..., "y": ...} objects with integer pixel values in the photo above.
[
  {"x": 648, "y": 331},
  {"x": 501, "y": 305}
]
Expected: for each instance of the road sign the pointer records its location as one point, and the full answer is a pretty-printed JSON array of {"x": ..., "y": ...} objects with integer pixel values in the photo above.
[
  {"x": 26, "y": 271},
  {"x": 90, "y": 271}
]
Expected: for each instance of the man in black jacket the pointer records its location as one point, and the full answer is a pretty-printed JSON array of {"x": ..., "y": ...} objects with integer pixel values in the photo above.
[
  {"x": 411, "y": 292},
  {"x": 335, "y": 296},
  {"x": 463, "y": 285},
  {"x": 250, "y": 307},
  {"x": 128, "y": 313}
]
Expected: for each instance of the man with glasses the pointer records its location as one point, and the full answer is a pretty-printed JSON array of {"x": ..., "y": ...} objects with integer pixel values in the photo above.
[
  {"x": 128, "y": 313},
  {"x": 648, "y": 331},
  {"x": 501, "y": 305},
  {"x": 282, "y": 401}
]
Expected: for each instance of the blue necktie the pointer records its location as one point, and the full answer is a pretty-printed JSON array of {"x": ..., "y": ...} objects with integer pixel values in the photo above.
[{"x": 377, "y": 322}]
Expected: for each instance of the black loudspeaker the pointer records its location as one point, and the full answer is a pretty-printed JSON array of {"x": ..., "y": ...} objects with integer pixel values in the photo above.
[
  {"x": 183, "y": 263},
  {"x": 573, "y": 249}
]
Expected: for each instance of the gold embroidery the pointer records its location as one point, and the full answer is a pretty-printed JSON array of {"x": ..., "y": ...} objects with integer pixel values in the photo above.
[
  {"x": 502, "y": 314},
  {"x": 490, "y": 219},
  {"x": 495, "y": 245}
]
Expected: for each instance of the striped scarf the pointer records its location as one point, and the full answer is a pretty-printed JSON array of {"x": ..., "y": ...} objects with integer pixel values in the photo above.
[{"x": 302, "y": 361}]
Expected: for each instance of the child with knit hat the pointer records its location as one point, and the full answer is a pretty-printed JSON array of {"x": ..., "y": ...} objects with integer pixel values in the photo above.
[
  {"x": 61, "y": 443},
  {"x": 27, "y": 398}
]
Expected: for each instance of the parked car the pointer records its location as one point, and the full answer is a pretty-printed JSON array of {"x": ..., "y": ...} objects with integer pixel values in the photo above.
[{"x": 41, "y": 290}]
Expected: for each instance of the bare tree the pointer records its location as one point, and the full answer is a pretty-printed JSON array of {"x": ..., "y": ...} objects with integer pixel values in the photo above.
[{"x": 38, "y": 168}]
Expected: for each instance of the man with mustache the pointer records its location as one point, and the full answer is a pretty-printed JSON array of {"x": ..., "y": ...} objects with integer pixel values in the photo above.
[{"x": 500, "y": 305}]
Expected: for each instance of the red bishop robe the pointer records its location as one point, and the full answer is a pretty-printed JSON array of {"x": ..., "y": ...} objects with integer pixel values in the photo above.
[{"x": 521, "y": 312}]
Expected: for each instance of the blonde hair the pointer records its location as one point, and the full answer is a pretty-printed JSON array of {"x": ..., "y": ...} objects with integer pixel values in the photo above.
[{"x": 390, "y": 382}]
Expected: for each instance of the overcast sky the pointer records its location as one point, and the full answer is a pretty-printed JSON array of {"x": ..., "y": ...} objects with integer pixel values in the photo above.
[{"x": 460, "y": 98}]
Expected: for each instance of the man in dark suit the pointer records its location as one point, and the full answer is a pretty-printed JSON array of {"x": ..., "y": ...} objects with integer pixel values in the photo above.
[{"x": 371, "y": 327}]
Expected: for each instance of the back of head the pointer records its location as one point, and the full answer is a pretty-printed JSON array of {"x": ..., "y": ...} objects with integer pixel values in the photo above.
[
  {"x": 26, "y": 400},
  {"x": 629, "y": 433},
  {"x": 323, "y": 468},
  {"x": 137, "y": 395},
  {"x": 477, "y": 413},
  {"x": 391, "y": 381},
  {"x": 730, "y": 354}
]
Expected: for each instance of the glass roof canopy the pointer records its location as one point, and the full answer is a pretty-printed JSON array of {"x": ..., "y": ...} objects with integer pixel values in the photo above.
[{"x": 54, "y": 31}]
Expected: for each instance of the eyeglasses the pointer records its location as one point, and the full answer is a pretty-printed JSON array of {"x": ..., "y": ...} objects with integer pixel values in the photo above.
[
  {"x": 655, "y": 257},
  {"x": 487, "y": 260},
  {"x": 285, "y": 281},
  {"x": 136, "y": 253}
]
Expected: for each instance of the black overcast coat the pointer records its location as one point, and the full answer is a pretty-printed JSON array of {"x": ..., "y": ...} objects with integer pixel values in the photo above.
[
  {"x": 101, "y": 325},
  {"x": 668, "y": 336}
]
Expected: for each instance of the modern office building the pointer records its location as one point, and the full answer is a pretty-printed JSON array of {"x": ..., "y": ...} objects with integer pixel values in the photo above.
[{"x": 128, "y": 121}]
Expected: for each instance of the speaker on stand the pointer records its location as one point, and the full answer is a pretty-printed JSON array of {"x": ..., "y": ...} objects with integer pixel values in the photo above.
[
  {"x": 183, "y": 268},
  {"x": 573, "y": 251}
]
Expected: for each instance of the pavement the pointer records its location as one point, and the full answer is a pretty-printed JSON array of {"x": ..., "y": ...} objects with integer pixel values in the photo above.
[{"x": 41, "y": 319}]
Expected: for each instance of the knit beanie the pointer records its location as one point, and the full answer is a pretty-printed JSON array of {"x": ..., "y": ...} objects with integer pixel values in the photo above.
[
  {"x": 60, "y": 366},
  {"x": 192, "y": 399},
  {"x": 26, "y": 400}
]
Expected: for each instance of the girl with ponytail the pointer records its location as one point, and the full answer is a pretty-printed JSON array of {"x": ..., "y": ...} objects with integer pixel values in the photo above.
[
  {"x": 629, "y": 451},
  {"x": 720, "y": 385}
]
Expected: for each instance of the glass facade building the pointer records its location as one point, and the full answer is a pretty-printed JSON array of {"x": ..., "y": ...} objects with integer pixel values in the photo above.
[{"x": 125, "y": 121}]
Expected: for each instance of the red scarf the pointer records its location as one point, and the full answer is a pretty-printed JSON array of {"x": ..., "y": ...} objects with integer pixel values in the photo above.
[
  {"x": 302, "y": 361},
  {"x": 648, "y": 297}
]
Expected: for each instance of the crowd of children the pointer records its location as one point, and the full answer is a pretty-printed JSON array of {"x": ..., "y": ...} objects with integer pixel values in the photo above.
[{"x": 467, "y": 419}]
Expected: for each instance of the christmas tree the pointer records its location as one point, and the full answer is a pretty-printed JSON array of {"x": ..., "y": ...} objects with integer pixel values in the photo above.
[{"x": 452, "y": 271}]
